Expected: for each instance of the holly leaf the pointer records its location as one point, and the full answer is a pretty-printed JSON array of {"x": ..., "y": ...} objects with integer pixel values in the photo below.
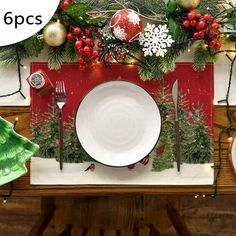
[
  {"x": 171, "y": 6},
  {"x": 76, "y": 14},
  {"x": 175, "y": 29},
  {"x": 76, "y": 10}
]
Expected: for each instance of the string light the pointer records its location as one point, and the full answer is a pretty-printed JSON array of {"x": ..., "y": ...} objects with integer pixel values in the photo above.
[
  {"x": 19, "y": 65},
  {"x": 189, "y": 50},
  {"x": 4, "y": 200},
  {"x": 230, "y": 139}
]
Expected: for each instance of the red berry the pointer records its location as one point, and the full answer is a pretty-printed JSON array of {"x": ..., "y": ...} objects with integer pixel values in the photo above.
[
  {"x": 217, "y": 46},
  {"x": 78, "y": 43},
  {"x": 191, "y": 15},
  {"x": 201, "y": 24},
  {"x": 87, "y": 49},
  {"x": 193, "y": 23},
  {"x": 92, "y": 44},
  {"x": 201, "y": 33},
  {"x": 196, "y": 35},
  {"x": 213, "y": 32},
  {"x": 218, "y": 36},
  {"x": 88, "y": 41},
  {"x": 215, "y": 25},
  {"x": 99, "y": 44},
  {"x": 69, "y": 36},
  {"x": 77, "y": 30},
  {"x": 95, "y": 53},
  {"x": 87, "y": 32},
  {"x": 107, "y": 56},
  {"x": 82, "y": 67},
  {"x": 207, "y": 30},
  {"x": 207, "y": 17},
  {"x": 65, "y": 4},
  {"x": 186, "y": 23},
  {"x": 81, "y": 60},
  {"x": 81, "y": 51},
  {"x": 198, "y": 15},
  {"x": 213, "y": 43},
  {"x": 93, "y": 63}
]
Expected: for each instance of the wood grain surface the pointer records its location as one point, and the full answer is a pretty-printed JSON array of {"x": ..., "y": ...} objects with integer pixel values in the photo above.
[{"x": 22, "y": 187}]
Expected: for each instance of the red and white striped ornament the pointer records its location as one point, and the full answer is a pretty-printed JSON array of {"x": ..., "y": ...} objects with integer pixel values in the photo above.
[{"x": 126, "y": 25}]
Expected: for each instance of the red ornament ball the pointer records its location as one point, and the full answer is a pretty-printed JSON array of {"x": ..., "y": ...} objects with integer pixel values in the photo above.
[{"x": 126, "y": 25}]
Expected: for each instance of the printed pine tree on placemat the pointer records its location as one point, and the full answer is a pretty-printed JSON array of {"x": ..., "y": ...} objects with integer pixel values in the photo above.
[
  {"x": 195, "y": 137},
  {"x": 163, "y": 154},
  {"x": 200, "y": 149},
  {"x": 45, "y": 133}
]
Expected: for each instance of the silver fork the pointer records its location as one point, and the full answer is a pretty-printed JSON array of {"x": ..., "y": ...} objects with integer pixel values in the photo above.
[{"x": 60, "y": 97}]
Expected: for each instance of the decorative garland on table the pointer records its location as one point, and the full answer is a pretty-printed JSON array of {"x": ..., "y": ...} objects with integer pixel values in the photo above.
[{"x": 149, "y": 34}]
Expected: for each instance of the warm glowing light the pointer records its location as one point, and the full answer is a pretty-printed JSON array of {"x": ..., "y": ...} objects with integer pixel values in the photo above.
[
  {"x": 230, "y": 139},
  {"x": 16, "y": 119},
  {"x": 4, "y": 200},
  {"x": 203, "y": 195},
  {"x": 25, "y": 67},
  {"x": 196, "y": 196},
  {"x": 189, "y": 50},
  {"x": 225, "y": 53}
]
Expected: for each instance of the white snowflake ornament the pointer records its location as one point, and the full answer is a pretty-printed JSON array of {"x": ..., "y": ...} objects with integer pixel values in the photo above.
[
  {"x": 155, "y": 40},
  {"x": 126, "y": 25}
]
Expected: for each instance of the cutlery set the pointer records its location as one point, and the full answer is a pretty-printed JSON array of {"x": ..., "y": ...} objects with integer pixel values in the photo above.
[{"x": 60, "y": 100}]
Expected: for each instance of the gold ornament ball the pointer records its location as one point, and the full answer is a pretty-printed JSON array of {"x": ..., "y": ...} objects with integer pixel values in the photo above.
[
  {"x": 54, "y": 34},
  {"x": 188, "y": 4}
]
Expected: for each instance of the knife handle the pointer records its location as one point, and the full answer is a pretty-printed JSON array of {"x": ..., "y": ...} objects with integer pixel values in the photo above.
[
  {"x": 60, "y": 129},
  {"x": 177, "y": 145}
]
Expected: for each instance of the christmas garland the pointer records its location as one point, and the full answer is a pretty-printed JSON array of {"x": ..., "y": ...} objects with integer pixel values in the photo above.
[{"x": 148, "y": 33}]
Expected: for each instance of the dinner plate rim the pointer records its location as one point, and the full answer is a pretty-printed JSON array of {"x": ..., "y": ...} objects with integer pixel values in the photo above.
[
  {"x": 110, "y": 81},
  {"x": 230, "y": 154}
]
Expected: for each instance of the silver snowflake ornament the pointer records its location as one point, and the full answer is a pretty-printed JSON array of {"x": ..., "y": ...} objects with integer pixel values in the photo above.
[{"x": 155, "y": 40}]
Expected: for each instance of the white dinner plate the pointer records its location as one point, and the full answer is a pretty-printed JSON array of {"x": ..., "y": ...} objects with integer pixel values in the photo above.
[
  {"x": 232, "y": 153},
  {"x": 118, "y": 123}
]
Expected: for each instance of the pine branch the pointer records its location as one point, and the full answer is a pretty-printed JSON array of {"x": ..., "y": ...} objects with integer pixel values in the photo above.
[
  {"x": 56, "y": 57},
  {"x": 33, "y": 45},
  {"x": 8, "y": 55},
  {"x": 212, "y": 6},
  {"x": 70, "y": 52}
]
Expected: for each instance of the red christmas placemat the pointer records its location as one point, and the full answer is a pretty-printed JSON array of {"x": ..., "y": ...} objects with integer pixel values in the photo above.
[{"x": 159, "y": 168}]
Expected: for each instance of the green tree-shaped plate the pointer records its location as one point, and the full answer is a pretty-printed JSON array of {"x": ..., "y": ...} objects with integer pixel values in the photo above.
[{"x": 15, "y": 150}]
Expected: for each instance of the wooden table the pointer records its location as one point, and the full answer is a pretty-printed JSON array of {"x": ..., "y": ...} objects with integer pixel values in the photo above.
[
  {"x": 134, "y": 206},
  {"x": 22, "y": 187}
]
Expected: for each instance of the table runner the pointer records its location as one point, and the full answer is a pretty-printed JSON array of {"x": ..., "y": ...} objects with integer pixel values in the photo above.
[{"x": 197, "y": 88}]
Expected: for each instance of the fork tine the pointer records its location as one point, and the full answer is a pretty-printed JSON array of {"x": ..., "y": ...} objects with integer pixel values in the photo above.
[
  {"x": 57, "y": 86},
  {"x": 63, "y": 88}
]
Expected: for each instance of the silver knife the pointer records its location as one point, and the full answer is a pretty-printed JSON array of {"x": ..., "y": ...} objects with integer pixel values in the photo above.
[{"x": 175, "y": 91}]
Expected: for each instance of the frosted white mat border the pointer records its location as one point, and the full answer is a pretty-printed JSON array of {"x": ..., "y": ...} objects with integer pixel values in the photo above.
[{"x": 46, "y": 172}]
